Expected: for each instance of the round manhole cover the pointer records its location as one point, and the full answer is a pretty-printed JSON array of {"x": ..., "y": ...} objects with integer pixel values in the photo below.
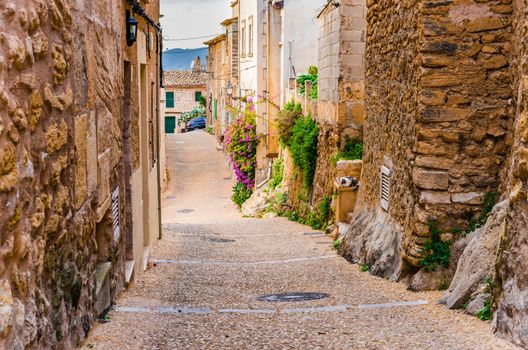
[
  {"x": 289, "y": 297},
  {"x": 219, "y": 240},
  {"x": 185, "y": 211}
]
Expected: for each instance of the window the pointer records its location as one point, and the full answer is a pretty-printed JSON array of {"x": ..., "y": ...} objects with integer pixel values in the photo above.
[
  {"x": 197, "y": 96},
  {"x": 250, "y": 36},
  {"x": 243, "y": 38},
  {"x": 169, "y": 99}
]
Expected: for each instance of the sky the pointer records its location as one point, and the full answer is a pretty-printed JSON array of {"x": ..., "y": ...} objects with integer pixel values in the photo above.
[{"x": 192, "y": 18}]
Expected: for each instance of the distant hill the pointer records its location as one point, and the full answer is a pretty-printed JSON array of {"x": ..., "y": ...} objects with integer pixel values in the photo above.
[{"x": 182, "y": 59}]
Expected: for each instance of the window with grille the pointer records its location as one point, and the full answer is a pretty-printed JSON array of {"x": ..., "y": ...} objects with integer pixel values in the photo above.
[
  {"x": 169, "y": 99},
  {"x": 385, "y": 187}
]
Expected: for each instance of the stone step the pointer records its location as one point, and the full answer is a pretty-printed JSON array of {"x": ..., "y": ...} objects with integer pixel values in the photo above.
[
  {"x": 129, "y": 270},
  {"x": 349, "y": 217},
  {"x": 102, "y": 287}
]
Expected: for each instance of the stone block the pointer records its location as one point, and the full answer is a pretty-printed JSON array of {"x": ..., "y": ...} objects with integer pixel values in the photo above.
[
  {"x": 485, "y": 24},
  {"x": 437, "y": 115},
  {"x": 430, "y": 179},
  {"x": 80, "y": 130},
  {"x": 435, "y": 197},
  {"x": 434, "y": 162},
  {"x": 91, "y": 158},
  {"x": 104, "y": 170},
  {"x": 468, "y": 198}
]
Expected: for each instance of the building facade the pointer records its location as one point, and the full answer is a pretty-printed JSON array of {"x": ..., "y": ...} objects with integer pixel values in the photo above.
[
  {"x": 79, "y": 163},
  {"x": 183, "y": 92}
]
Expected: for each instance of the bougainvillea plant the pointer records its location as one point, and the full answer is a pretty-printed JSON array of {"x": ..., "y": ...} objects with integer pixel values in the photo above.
[{"x": 240, "y": 141}]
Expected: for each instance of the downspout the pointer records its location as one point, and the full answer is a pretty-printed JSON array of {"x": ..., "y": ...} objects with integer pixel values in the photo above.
[
  {"x": 270, "y": 162},
  {"x": 159, "y": 83}
]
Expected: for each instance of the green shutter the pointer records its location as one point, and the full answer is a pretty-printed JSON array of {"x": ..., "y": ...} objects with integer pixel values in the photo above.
[
  {"x": 169, "y": 99},
  {"x": 215, "y": 109},
  {"x": 170, "y": 125},
  {"x": 197, "y": 96}
]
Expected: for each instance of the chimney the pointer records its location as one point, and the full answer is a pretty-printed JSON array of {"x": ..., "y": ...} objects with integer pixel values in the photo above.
[{"x": 197, "y": 66}]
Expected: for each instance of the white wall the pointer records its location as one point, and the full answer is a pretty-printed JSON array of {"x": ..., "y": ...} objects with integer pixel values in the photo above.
[
  {"x": 249, "y": 66},
  {"x": 299, "y": 40}
]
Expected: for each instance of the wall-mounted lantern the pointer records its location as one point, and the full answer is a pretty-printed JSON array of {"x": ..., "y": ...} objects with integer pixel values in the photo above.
[
  {"x": 131, "y": 29},
  {"x": 229, "y": 89}
]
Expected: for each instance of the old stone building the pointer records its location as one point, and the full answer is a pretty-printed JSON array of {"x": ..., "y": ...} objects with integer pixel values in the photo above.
[
  {"x": 79, "y": 162},
  {"x": 183, "y": 91},
  {"x": 340, "y": 100},
  {"x": 218, "y": 68},
  {"x": 444, "y": 130}
]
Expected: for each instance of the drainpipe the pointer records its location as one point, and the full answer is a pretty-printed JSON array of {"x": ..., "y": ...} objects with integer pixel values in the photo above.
[
  {"x": 270, "y": 162},
  {"x": 159, "y": 82}
]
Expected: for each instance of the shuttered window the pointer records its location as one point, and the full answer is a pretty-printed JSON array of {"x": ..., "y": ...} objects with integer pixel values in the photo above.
[
  {"x": 197, "y": 96},
  {"x": 169, "y": 99},
  {"x": 385, "y": 184}
]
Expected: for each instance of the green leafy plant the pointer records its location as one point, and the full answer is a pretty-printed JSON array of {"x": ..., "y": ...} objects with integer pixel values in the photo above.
[
  {"x": 490, "y": 199},
  {"x": 353, "y": 150},
  {"x": 303, "y": 148},
  {"x": 286, "y": 119},
  {"x": 336, "y": 244},
  {"x": 436, "y": 251},
  {"x": 241, "y": 194},
  {"x": 485, "y": 313},
  {"x": 278, "y": 172},
  {"x": 210, "y": 130},
  {"x": 363, "y": 267},
  {"x": 310, "y": 76}
]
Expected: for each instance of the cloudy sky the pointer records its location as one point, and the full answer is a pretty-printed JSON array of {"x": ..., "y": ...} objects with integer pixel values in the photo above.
[{"x": 192, "y": 18}]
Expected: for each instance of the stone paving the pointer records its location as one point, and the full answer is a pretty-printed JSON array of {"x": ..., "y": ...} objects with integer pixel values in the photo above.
[{"x": 201, "y": 288}]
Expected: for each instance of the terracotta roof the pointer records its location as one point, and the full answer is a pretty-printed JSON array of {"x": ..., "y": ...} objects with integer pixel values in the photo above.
[{"x": 183, "y": 78}]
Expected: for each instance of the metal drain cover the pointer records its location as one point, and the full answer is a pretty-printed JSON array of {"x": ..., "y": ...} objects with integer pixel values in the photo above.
[
  {"x": 185, "y": 211},
  {"x": 290, "y": 297},
  {"x": 219, "y": 240}
]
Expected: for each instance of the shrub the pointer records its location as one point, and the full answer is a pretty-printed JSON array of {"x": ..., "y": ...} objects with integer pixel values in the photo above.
[
  {"x": 278, "y": 171},
  {"x": 241, "y": 140},
  {"x": 336, "y": 244},
  {"x": 286, "y": 119},
  {"x": 303, "y": 147},
  {"x": 353, "y": 149},
  {"x": 310, "y": 76},
  {"x": 436, "y": 251},
  {"x": 195, "y": 113},
  {"x": 241, "y": 194}
]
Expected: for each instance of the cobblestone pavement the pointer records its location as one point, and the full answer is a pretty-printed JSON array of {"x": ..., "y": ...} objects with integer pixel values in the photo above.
[{"x": 206, "y": 275}]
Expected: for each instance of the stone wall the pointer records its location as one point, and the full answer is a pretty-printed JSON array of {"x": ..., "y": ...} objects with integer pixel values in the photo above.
[
  {"x": 61, "y": 98},
  {"x": 438, "y": 116},
  {"x": 510, "y": 284},
  {"x": 184, "y": 99}
]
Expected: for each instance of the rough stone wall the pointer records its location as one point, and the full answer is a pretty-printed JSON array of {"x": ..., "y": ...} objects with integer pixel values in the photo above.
[
  {"x": 510, "y": 298},
  {"x": 340, "y": 105},
  {"x": 184, "y": 98},
  {"x": 391, "y": 104},
  {"x": 60, "y": 159},
  {"x": 464, "y": 113},
  {"x": 438, "y": 87}
]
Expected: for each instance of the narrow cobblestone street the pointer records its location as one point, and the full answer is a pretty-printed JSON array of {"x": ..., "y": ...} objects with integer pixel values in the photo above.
[{"x": 202, "y": 285}]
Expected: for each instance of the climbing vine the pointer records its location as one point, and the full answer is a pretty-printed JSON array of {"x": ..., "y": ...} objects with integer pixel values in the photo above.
[{"x": 241, "y": 140}]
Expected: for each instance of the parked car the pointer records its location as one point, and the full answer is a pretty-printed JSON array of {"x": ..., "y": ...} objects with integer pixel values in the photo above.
[{"x": 196, "y": 123}]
